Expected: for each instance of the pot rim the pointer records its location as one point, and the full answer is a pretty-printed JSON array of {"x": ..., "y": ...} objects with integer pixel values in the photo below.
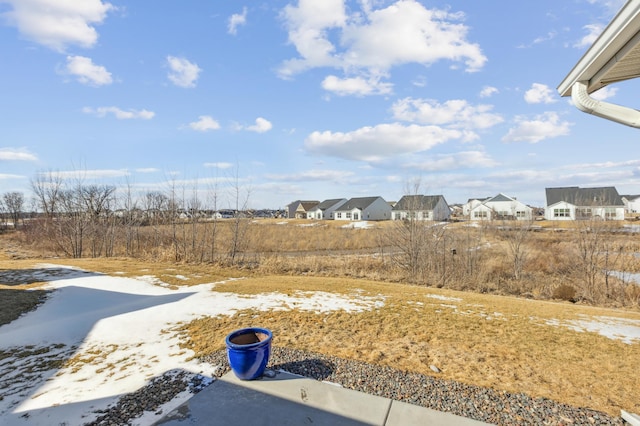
[{"x": 248, "y": 330}]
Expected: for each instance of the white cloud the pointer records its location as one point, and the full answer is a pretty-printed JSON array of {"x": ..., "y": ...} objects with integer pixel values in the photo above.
[
  {"x": 11, "y": 154},
  {"x": 183, "y": 73},
  {"x": 87, "y": 72},
  {"x": 262, "y": 125},
  {"x": 593, "y": 31},
  {"x": 374, "y": 144},
  {"x": 308, "y": 24},
  {"x": 236, "y": 20},
  {"x": 456, "y": 113},
  {"x": 204, "y": 124},
  {"x": 488, "y": 91},
  {"x": 119, "y": 113},
  {"x": 313, "y": 175},
  {"x": 8, "y": 176},
  {"x": 374, "y": 41},
  {"x": 219, "y": 165},
  {"x": 58, "y": 23},
  {"x": 540, "y": 94},
  {"x": 147, "y": 170},
  {"x": 604, "y": 93},
  {"x": 460, "y": 160},
  {"x": 544, "y": 126},
  {"x": 355, "y": 86},
  {"x": 91, "y": 174}
]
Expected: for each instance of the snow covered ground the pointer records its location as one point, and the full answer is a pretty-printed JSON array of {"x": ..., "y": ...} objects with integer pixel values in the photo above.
[{"x": 121, "y": 332}]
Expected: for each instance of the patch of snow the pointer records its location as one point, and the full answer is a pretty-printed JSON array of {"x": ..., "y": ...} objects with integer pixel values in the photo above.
[
  {"x": 623, "y": 329},
  {"x": 439, "y": 297},
  {"x": 628, "y": 277},
  {"x": 120, "y": 333},
  {"x": 358, "y": 225}
]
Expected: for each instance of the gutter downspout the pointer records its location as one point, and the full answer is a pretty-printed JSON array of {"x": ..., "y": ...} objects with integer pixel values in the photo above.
[{"x": 613, "y": 112}]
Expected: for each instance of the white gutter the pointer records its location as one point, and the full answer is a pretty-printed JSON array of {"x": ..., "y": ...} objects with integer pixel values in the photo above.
[
  {"x": 607, "y": 46},
  {"x": 613, "y": 112}
]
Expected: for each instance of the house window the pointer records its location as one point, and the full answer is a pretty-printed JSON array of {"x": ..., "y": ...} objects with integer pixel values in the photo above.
[
  {"x": 348, "y": 215},
  {"x": 561, "y": 213},
  {"x": 338, "y": 215},
  {"x": 521, "y": 214},
  {"x": 609, "y": 213},
  {"x": 584, "y": 212},
  {"x": 480, "y": 214}
]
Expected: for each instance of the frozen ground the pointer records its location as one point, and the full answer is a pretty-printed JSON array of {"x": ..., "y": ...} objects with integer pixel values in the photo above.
[{"x": 121, "y": 332}]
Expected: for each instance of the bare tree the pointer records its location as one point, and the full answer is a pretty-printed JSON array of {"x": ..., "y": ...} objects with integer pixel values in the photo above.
[
  {"x": 517, "y": 233},
  {"x": 98, "y": 202},
  {"x": 130, "y": 220},
  {"x": 240, "y": 196},
  {"x": 411, "y": 237},
  {"x": 589, "y": 246},
  {"x": 46, "y": 187},
  {"x": 14, "y": 203}
]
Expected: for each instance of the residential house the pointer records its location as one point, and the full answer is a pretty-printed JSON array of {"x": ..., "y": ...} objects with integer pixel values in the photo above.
[
  {"x": 471, "y": 204},
  {"x": 421, "y": 207},
  {"x": 631, "y": 203},
  {"x": 298, "y": 209},
  {"x": 574, "y": 203},
  {"x": 501, "y": 207},
  {"x": 363, "y": 208},
  {"x": 325, "y": 209}
]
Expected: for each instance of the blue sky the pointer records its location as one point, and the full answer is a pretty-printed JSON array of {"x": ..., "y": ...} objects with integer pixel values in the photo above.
[{"x": 303, "y": 99}]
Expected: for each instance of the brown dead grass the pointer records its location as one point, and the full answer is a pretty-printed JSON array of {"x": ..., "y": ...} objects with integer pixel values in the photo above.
[{"x": 513, "y": 350}]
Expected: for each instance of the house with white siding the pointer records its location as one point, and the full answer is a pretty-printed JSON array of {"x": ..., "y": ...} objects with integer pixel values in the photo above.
[
  {"x": 574, "y": 203},
  {"x": 299, "y": 208},
  {"x": 631, "y": 203},
  {"x": 501, "y": 207},
  {"x": 324, "y": 210},
  {"x": 421, "y": 207},
  {"x": 363, "y": 208},
  {"x": 471, "y": 204}
]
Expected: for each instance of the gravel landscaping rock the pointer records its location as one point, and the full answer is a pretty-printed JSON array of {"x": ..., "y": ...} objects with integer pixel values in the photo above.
[{"x": 475, "y": 402}]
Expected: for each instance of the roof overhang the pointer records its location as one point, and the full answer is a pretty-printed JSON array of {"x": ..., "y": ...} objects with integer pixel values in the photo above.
[{"x": 613, "y": 57}]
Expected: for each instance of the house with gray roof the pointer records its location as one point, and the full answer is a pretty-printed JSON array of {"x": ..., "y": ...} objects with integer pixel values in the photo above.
[
  {"x": 324, "y": 210},
  {"x": 299, "y": 208},
  {"x": 421, "y": 207},
  {"x": 501, "y": 207},
  {"x": 574, "y": 203},
  {"x": 471, "y": 204},
  {"x": 363, "y": 208},
  {"x": 631, "y": 203}
]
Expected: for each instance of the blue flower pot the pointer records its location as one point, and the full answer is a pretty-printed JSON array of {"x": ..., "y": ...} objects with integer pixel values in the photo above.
[{"x": 248, "y": 351}]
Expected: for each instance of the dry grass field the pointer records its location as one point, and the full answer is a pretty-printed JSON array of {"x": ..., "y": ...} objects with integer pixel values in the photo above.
[
  {"x": 506, "y": 343},
  {"x": 538, "y": 347}
]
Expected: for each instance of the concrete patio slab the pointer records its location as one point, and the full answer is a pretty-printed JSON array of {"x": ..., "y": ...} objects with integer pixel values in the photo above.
[{"x": 288, "y": 399}]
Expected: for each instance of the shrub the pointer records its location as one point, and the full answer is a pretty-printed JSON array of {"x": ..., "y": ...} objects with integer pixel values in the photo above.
[{"x": 565, "y": 292}]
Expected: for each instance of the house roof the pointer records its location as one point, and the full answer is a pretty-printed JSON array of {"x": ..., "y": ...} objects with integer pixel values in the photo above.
[
  {"x": 297, "y": 203},
  {"x": 357, "y": 203},
  {"x": 613, "y": 57},
  {"x": 498, "y": 198},
  {"x": 328, "y": 203},
  {"x": 478, "y": 199},
  {"x": 603, "y": 196},
  {"x": 630, "y": 197},
  {"x": 308, "y": 205},
  {"x": 418, "y": 202}
]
